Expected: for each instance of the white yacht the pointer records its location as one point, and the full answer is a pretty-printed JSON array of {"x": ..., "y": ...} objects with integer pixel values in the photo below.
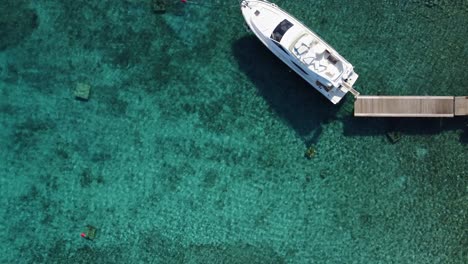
[{"x": 300, "y": 48}]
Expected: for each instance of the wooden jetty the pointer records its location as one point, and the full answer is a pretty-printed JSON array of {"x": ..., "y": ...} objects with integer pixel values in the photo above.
[
  {"x": 461, "y": 105},
  {"x": 410, "y": 106}
]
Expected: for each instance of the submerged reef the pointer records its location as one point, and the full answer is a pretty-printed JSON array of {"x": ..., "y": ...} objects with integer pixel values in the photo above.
[{"x": 17, "y": 22}]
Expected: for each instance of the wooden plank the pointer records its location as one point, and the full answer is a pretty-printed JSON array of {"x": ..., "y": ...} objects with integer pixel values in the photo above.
[
  {"x": 461, "y": 105},
  {"x": 404, "y": 106}
]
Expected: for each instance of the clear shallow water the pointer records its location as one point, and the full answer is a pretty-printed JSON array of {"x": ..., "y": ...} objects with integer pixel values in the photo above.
[{"x": 191, "y": 147}]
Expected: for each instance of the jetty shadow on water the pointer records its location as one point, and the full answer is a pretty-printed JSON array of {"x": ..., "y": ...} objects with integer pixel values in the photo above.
[
  {"x": 370, "y": 126},
  {"x": 293, "y": 99}
]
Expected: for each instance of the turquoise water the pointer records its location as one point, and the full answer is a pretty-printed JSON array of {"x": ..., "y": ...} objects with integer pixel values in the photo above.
[{"x": 191, "y": 146}]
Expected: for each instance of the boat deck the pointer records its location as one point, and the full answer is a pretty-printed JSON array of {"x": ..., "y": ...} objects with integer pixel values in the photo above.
[{"x": 410, "y": 106}]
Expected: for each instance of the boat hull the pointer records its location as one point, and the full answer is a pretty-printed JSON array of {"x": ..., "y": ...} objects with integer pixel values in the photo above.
[{"x": 264, "y": 18}]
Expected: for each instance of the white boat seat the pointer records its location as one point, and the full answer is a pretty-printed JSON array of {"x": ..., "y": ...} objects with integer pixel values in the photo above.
[
  {"x": 318, "y": 66},
  {"x": 319, "y": 48},
  {"x": 303, "y": 44},
  {"x": 307, "y": 40},
  {"x": 301, "y": 49},
  {"x": 332, "y": 72},
  {"x": 308, "y": 60}
]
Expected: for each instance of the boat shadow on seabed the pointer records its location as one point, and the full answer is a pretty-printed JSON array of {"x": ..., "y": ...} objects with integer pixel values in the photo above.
[{"x": 291, "y": 97}]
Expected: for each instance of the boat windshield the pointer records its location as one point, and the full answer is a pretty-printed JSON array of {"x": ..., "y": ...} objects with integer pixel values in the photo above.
[{"x": 280, "y": 30}]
